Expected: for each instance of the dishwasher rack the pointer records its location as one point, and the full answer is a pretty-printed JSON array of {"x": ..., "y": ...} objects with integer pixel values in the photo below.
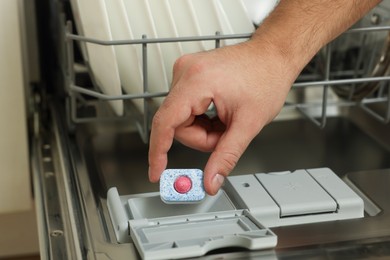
[{"x": 322, "y": 76}]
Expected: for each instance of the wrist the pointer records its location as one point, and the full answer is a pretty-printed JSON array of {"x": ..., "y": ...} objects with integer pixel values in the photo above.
[{"x": 280, "y": 60}]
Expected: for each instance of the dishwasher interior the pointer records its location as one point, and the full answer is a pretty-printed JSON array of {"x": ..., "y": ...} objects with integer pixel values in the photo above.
[{"x": 336, "y": 116}]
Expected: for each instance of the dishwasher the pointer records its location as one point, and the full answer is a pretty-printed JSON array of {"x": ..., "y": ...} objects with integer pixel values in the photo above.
[{"x": 89, "y": 166}]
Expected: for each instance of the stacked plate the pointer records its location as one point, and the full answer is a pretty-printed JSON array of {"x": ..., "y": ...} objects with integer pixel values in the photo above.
[
  {"x": 258, "y": 10},
  {"x": 120, "y": 67}
]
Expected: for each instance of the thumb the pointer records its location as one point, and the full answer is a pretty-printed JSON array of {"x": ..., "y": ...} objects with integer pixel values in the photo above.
[{"x": 228, "y": 151}]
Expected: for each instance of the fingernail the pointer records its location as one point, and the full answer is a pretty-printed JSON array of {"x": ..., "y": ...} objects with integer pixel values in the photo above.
[{"x": 218, "y": 181}]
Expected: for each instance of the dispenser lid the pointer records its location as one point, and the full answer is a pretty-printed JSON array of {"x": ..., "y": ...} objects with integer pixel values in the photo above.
[
  {"x": 297, "y": 193},
  {"x": 194, "y": 235}
]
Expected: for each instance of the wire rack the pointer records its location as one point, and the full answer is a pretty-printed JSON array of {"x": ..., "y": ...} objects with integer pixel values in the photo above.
[{"x": 372, "y": 80}]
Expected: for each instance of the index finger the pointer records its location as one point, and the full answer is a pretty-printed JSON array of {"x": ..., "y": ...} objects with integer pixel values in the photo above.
[{"x": 172, "y": 113}]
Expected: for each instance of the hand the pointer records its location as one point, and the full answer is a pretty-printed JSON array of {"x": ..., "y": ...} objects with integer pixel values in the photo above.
[
  {"x": 247, "y": 83},
  {"x": 248, "y": 88}
]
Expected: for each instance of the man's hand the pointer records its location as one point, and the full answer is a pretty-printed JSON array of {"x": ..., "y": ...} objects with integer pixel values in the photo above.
[
  {"x": 247, "y": 83},
  {"x": 247, "y": 90}
]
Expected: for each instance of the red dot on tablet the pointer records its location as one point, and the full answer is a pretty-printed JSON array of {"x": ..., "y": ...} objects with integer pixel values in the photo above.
[{"x": 182, "y": 184}]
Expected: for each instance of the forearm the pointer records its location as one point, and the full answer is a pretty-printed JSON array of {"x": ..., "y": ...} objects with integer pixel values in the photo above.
[{"x": 297, "y": 29}]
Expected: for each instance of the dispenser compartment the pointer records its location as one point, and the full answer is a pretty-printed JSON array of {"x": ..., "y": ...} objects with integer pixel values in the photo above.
[{"x": 299, "y": 197}]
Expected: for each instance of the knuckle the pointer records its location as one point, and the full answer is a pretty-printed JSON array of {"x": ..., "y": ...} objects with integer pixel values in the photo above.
[
  {"x": 196, "y": 68},
  {"x": 228, "y": 162},
  {"x": 157, "y": 119},
  {"x": 192, "y": 63},
  {"x": 180, "y": 62}
]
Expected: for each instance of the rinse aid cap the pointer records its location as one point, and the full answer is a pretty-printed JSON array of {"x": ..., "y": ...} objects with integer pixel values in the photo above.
[{"x": 182, "y": 186}]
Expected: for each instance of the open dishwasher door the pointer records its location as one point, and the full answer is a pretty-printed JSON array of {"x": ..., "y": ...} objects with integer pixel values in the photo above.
[{"x": 81, "y": 150}]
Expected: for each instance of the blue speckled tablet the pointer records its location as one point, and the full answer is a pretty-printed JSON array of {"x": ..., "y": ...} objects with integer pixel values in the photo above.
[{"x": 182, "y": 186}]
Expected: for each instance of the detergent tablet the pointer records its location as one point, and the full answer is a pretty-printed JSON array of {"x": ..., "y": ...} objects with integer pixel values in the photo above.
[{"x": 182, "y": 186}]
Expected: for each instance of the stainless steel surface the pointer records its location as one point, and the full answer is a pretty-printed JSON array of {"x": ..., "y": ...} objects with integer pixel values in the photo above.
[
  {"x": 353, "y": 144},
  {"x": 57, "y": 215},
  {"x": 121, "y": 159}
]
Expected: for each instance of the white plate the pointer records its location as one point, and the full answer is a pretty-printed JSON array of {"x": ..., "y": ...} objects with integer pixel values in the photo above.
[
  {"x": 187, "y": 24},
  {"x": 235, "y": 13},
  {"x": 141, "y": 23},
  {"x": 130, "y": 70},
  {"x": 102, "y": 60},
  {"x": 258, "y": 10},
  {"x": 166, "y": 28},
  {"x": 207, "y": 13}
]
